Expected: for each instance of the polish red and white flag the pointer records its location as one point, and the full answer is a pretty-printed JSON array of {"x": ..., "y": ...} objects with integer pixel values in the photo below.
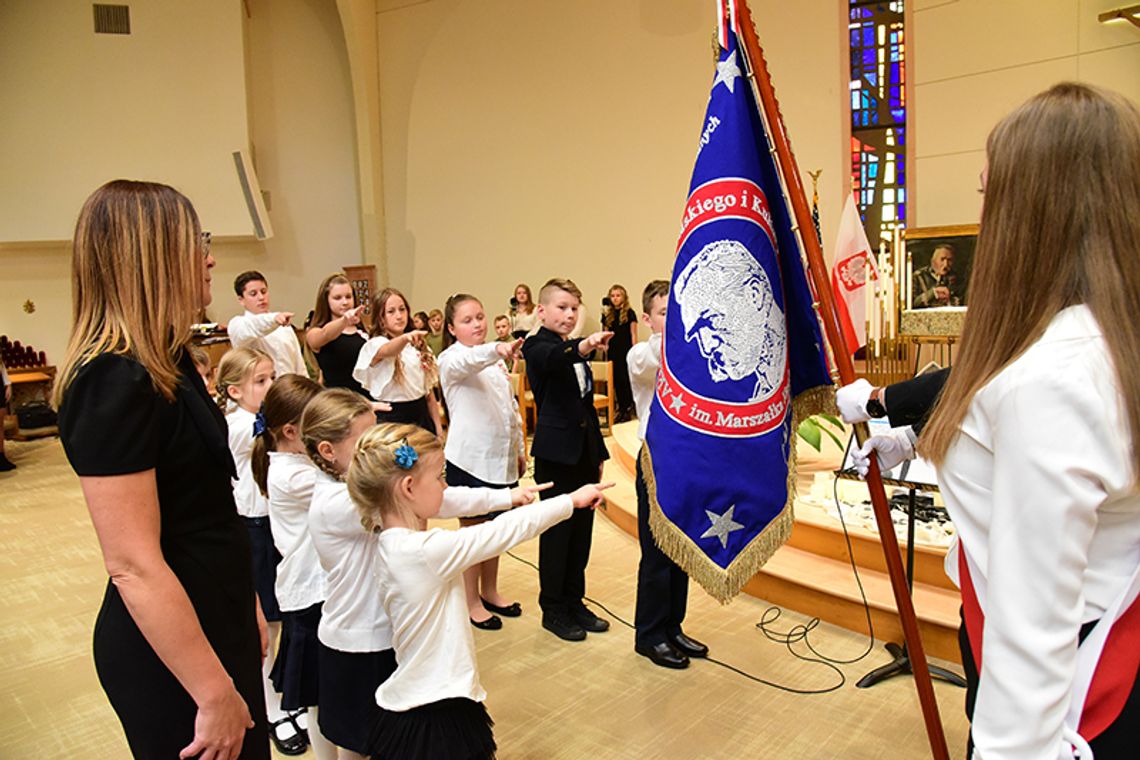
[{"x": 852, "y": 272}]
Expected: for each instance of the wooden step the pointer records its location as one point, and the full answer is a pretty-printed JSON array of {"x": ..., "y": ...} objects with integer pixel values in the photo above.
[{"x": 818, "y": 584}]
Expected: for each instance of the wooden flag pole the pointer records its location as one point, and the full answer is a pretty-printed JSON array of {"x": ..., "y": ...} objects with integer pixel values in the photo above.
[{"x": 817, "y": 271}]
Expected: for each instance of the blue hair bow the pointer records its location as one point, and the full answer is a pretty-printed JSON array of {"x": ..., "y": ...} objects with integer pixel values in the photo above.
[
  {"x": 406, "y": 456},
  {"x": 259, "y": 426}
]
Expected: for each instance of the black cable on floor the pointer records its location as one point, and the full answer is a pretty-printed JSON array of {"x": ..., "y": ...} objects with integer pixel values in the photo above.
[{"x": 793, "y": 635}]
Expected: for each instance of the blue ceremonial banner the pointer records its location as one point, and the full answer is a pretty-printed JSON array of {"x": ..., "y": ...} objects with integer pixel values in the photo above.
[{"x": 742, "y": 346}]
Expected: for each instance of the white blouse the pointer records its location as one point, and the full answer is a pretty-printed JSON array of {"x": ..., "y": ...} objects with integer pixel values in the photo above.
[
  {"x": 484, "y": 436},
  {"x": 380, "y": 379},
  {"x": 300, "y": 577},
  {"x": 525, "y": 322},
  {"x": 1039, "y": 485},
  {"x": 247, "y": 496},
  {"x": 353, "y": 619},
  {"x": 420, "y": 573},
  {"x": 262, "y": 332}
]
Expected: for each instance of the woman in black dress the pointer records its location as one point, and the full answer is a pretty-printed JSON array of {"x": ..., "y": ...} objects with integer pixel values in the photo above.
[
  {"x": 334, "y": 335},
  {"x": 620, "y": 319},
  {"x": 177, "y": 644}
]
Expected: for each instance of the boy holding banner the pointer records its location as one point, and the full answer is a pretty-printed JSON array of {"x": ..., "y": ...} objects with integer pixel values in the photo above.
[{"x": 662, "y": 587}]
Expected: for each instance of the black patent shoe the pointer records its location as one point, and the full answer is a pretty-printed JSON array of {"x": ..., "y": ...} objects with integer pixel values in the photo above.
[
  {"x": 663, "y": 654},
  {"x": 294, "y": 744},
  {"x": 492, "y": 623},
  {"x": 514, "y": 609},
  {"x": 687, "y": 646}
]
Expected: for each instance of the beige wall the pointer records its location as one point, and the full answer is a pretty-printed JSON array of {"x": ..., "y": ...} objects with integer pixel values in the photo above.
[
  {"x": 166, "y": 102},
  {"x": 528, "y": 140},
  {"x": 976, "y": 60},
  {"x": 301, "y": 128}
]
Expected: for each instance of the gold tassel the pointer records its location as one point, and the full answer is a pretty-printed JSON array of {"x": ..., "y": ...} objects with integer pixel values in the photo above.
[{"x": 725, "y": 583}]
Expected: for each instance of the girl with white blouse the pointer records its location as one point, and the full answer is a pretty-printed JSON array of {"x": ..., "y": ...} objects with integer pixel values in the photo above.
[
  {"x": 432, "y": 705},
  {"x": 356, "y": 653},
  {"x": 245, "y": 376},
  {"x": 285, "y": 476},
  {"x": 396, "y": 367},
  {"x": 485, "y": 444},
  {"x": 524, "y": 312},
  {"x": 1036, "y": 435}
]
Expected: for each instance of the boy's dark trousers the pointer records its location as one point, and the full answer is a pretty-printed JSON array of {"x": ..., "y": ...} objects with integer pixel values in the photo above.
[
  {"x": 662, "y": 587},
  {"x": 564, "y": 549},
  {"x": 568, "y": 450}
]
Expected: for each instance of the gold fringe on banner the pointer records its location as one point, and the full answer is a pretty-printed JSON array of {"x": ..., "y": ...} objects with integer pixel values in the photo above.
[{"x": 725, "y": 583}]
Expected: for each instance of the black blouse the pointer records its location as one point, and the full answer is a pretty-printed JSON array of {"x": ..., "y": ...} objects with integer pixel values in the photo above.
[
  {"x": 113, "y": 421},
  {"x": 337, "y": 358}
]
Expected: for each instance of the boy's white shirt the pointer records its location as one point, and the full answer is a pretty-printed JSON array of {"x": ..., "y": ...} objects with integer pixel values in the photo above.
[
  {"x": 262, "y": 332},
  {"x": 643, "y": 361}
]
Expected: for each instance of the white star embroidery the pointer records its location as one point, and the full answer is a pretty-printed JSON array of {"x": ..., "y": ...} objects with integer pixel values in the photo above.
[
  {"x": 727, "y": 71},
  {"x": 677, "y": 403},
  {"x": 721, "y": 526}
]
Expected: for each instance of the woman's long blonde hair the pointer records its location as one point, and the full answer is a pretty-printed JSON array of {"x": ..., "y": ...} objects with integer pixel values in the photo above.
[
  {"x": 374, "y": 472},
  {"x": 1060, "y": 226},
  {"x": 137, "y": 272}
]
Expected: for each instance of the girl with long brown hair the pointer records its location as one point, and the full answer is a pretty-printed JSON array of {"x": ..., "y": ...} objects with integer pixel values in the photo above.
[
  {"x": 1036, "y": 433},
  {"x": 335, "y": 334},
  {"x": 177, "y": 637},
  {"x": 396, "y": 367},
  {"x": 524, "y": 315}
]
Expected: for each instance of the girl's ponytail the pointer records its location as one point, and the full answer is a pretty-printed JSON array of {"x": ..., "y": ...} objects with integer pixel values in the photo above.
[{"x": 284, "y": 404}]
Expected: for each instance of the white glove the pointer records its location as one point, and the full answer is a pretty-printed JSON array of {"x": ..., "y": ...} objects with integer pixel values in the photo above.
[
  {"x": 891, "y": 449},
  {"x": 852, "y": 401}
]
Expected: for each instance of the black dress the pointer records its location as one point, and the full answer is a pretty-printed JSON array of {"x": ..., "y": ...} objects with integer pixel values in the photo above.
[
  {"x": 113, "y": 422},
  {"x": 337, "y": 358},
  {"x": 620, "y": 344}
]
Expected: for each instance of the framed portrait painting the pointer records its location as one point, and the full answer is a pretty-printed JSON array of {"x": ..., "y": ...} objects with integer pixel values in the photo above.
[{"x": 939, "y": 263}]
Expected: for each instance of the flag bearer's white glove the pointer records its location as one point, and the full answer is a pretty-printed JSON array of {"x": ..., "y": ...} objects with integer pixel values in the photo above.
[
  {"x": 891, "y": 448},
  {"x": 852, "y": 401}
]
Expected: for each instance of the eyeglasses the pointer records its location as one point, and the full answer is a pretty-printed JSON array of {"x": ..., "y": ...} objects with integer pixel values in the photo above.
[{"x": 206, "y": 237}]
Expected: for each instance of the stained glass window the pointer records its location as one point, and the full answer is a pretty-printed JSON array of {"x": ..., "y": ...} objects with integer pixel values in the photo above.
[{"x": 878, "y": 115}]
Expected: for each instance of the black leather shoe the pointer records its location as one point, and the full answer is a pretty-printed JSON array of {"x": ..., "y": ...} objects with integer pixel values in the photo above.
[
  {"x": 563, "y": 627},
  {"x": 590, "y": 621},
  {"x": 663, "y": 654},
  {"x": 294, "y": 742},
  {"x": 514, "y": 609},
  {"x": 691, "y": 647},
  {"x": 492, "y": 623}
]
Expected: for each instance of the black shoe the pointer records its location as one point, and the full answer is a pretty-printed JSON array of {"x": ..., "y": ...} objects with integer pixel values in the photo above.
[
  {"x": 514, "y": 609},
  {"x": 590, "y": 621},
  {"x": 294, "y": 744},
  {"x": 492, "y": 623},
  {"x": 663, "y": 654},
  {"x": 563, "y": 627},
  {"x": 690, "y": 647},
  {"x": 5, "y": 465}
]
